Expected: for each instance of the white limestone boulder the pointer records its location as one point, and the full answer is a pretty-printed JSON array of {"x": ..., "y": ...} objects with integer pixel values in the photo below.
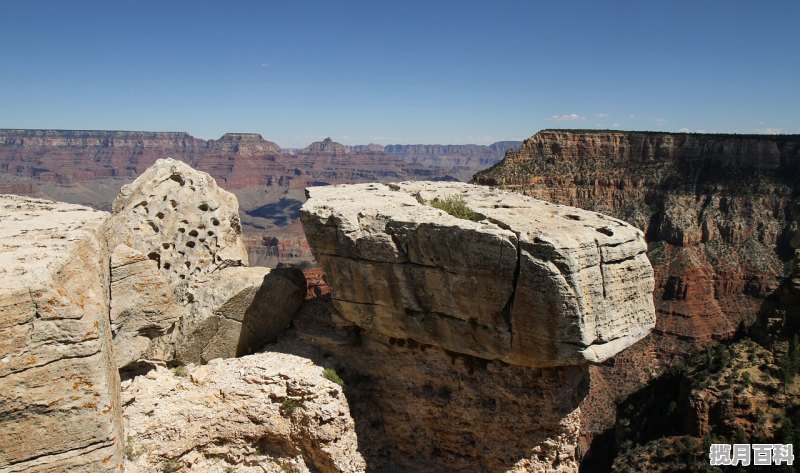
[{"x": 529, "y": 282}]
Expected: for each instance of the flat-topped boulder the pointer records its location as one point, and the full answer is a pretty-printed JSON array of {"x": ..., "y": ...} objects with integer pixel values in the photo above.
[
  {"x": 524, "y": 281},
  {"x": 59, "y": 387}
]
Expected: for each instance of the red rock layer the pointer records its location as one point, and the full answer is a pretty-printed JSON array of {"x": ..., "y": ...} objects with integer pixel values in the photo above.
[{"x": 720, "y": 215}]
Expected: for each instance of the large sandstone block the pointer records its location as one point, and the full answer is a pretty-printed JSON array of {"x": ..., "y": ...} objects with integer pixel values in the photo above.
[
  {"x": 180, "y": 290},
  {"x": 59, "y": 387},
  {"x": 530, "y": 283}
]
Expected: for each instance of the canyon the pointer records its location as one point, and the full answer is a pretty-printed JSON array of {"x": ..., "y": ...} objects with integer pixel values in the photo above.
[
  {"x": 344, "y": 383},
  {"x": 507, "y": 340},
  {"x": 90, "y": 167},
  {"x": 720, "y": 217}
]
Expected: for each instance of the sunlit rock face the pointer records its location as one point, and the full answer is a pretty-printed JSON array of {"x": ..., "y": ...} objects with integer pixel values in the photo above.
[
  {"x": 526, "y": 282},
  {"x": 59, "y": 386}
]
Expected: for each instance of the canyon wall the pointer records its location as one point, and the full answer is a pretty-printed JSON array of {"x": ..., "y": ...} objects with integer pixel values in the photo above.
[
  {"x": 720, "y": 217},
  {"x": 90, "y": 167},
  {"x": 464, "y": 340}
]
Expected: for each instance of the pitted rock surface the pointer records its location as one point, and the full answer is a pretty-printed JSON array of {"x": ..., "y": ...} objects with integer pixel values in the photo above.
[
  {"x": 180, "y": 218},
  {"x": 189, "y": 227},
  {"x": 530, "y": 283}
]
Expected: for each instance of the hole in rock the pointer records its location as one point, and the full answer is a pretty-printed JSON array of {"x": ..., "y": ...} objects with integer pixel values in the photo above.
[
  {"x": 160, "y": 215},
  {"x": 193, "y": 233},
  {"x": 573, "y": 217},
  {"x": 215, "y": 221},
  {"x": 203, "y": 207},
  {"x": 605, "y": 231},
  {"x": 178, "y": 178},
  {"x": 155, "y": 256},
  {"x": 173, "y": 203},
  {"x": 167, "y": 265},
  {"x": 182, "y": 230},
  {"x": 190, "y": 244},
  {"x": 165, "y": 246}
]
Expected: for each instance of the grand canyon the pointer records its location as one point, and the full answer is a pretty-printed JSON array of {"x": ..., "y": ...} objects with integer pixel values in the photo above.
[
  {"x": 600, "y": 280},
  {"x": 89, "y": 167}
]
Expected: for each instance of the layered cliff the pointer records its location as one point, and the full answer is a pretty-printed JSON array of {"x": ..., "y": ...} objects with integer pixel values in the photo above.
[
  {"x": 464, "y": 336},
  {"x": 719, "y": 215},
  {"x": 89, "y": 168},
  {"x": 718, "y": 211}
]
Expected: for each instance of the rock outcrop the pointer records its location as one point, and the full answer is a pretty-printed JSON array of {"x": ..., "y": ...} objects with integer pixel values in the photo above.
[
  {"x": 719, "y": 214},
  {"x": 718, "y": 211},
  {"x": 421, "y": 408},
  {"x": 181, "y": 220},
  {"x": 268, "y": 412},
  {"x": 59, "y": 386},
  {"x": 326, "y": 146},
  {"x": 143, "y": 306},
  {"x": 529, "y": 283}
]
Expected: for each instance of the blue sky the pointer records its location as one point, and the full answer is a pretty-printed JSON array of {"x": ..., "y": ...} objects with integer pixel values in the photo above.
[{"x": 400, "y": 72}]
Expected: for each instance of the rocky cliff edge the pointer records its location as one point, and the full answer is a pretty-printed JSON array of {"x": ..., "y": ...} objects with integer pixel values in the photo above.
[{"x": 527, "y": 282}]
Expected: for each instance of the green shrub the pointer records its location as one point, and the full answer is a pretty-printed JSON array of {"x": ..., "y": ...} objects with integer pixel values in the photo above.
[
  {"x": 170, "y": 466},
  {"x": 288, "y": 406},
  {"x": 180, "y": 371},
  {"x": 455, "y": 206},
  {"x": 130, "y": 454},
  {"x": 331, "y": 375}
]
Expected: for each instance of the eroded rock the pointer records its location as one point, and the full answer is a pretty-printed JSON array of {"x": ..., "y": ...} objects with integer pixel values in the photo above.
[
  {"x": 59, "y": 387},
  {"x": 190, "y": 230},
  {"x": 530, "y": 283},
  {"x": 267, "y": 412},
  {"x": 142, "y": 305}
]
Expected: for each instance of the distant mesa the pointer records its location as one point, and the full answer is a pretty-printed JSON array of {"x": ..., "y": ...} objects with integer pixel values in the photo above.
[
  {"x": 326, "y": 146},
  {"x": 246, "y": 143}
]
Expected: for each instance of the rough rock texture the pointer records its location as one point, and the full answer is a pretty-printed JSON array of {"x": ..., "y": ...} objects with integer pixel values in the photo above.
[
  {"x": 531, "y": 283},
  {"x": 180, "y": 218},
  {"x": 237, "y": 310},
  {"x": 268, "y": 412},
  {"x": 190, "y": 228},
  {"x": 719, "y": 213},
  {"x": 142, "y": 304},
  {"x": 59, "y": 388},
  {"x": 421, "y": 408}
]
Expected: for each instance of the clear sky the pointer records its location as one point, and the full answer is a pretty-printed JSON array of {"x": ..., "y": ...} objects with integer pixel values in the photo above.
[{"x": 409, "y": 71}]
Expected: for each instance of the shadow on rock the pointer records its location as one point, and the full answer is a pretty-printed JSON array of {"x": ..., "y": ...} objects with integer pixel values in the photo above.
[{"x": 420, "y": 408}]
